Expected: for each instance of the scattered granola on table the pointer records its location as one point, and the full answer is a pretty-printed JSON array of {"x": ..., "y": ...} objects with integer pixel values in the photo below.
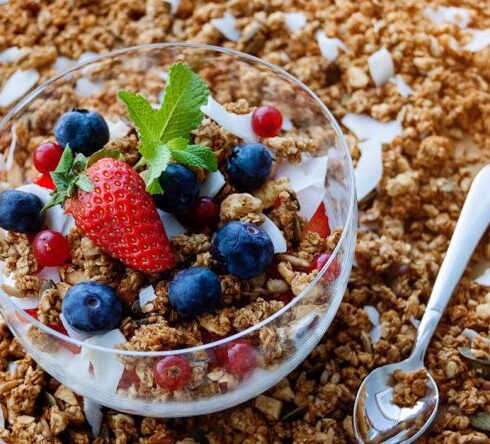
[{"x": 405, "y": 225}]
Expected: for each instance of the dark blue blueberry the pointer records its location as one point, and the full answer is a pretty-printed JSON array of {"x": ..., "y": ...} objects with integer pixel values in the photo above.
[
  {"x": 249, "y": 165},
  {"x": 244, "y": 249},
  {"x": 194, "y": 291},
  {"x": 85, "y": 131},
  {"x": 92, "y": 307},
  {"x": 20, "y": 212},
  {"x": 180, "y": 189}
]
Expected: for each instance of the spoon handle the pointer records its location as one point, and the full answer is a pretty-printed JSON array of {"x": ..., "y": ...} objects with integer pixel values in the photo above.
[{"x": 472, "y": 223}]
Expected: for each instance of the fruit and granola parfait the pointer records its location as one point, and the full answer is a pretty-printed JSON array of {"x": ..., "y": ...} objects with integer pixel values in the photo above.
[{"x": 162, "y": 240}]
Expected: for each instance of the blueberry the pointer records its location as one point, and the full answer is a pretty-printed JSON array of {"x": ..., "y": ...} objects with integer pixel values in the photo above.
[
  {"x": 244, "y": 249},
  {"x": 249, "y": 165},
  {"x": 85, "y": 131},
  {"x": 194, "y": 291},
  {"x": 180, "y": 189},
  {"x": 92, "y": 307},
  {"x": 20, "y": 212}
]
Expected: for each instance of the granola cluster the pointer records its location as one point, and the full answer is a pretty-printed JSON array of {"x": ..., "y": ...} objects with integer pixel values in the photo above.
[{"x": 404, "y": 231}]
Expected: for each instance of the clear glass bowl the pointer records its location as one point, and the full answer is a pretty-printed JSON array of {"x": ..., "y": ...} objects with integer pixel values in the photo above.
[{"x": 284, "y": 339}]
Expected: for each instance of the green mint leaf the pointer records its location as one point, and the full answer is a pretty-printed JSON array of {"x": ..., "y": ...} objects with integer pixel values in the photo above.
[
  {"x": 180, "y": 112},
  {"x": 103, "y": 154},
  {"x": 156, "y": 166},
  {"x": 66, "y": 161},
  {"x": 84, "y": 183},
  {"x": 179, "y": 143},
  {"x": 196, "y": 156}
]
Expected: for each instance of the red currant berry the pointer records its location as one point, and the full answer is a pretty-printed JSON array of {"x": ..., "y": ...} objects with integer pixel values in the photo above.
[
  {"x": 45, "y": 181},
  {"x": 204, "y": 213},
  {"x": 51, "y": 248},
  {"x": 239, "y": 357},
  {"x": 172, "y": 372},
  {"x": 332, "y": 272},
  {"x": 47, "y": 156},
  {"x": 266, "y": 121}
]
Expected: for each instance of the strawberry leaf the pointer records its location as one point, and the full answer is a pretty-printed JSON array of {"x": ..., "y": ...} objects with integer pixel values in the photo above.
[
  {"x": 84, "y": 183},
  {"x": 66, "y": 161},
  {"x": 103, "y": 154}
]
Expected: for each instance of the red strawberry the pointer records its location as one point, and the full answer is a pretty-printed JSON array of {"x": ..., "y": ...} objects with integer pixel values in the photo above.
[
  {"x": 120, "y": 217},
  {"x": 319, "y": 222}
]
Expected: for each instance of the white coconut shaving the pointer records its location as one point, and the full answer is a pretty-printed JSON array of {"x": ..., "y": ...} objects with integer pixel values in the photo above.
[
  {"x": 402, "y": 87},
  {"x": 71, "y": 332},
  {"x": 107, "y": 367},
  {"x": 171, "y": 225},
  {"x": 287, "y": 123},
  {"x": 11, "y": 55},
  {"x": 309, "y": 172},
  {"x": 18, "y": 84},
  {"x": 480, "y": 40},
  {"x": 93, "y": 415},
  {"x": 381, "y": 66},
  {"x": 238, "y": 124},
  {"x": 373, "y": 315},
  {"x": 295, "y": 21},
  {"x": 365, "y": 127},
  {"x": 310, "y": 199},
  {"x": 3, "y": 2},
  {"x": 369, "y": 169},
  {"x": 117, "y": 128},
  {"x": 27, "y": 303},
  {"x": 456, "y": 16},
  {"x": 11, "y": 366},
  {"x": 275, "y": 234},
  {"x": 470, "y": 334},
  {"x": 63, "y": 64},
  {"x": 415, "y": 322},
  {"x": 146, "y": 295},
  {"x": 86, "y": 56},
  {"x": 50, "y": 274},
  {"x": 212, "y": 185},
  {"x": 174, "y": 5},
  {"x": 55, "y": 216},
  {"x": 484, "y": 278},
  {"x": 68, "y": 225},
  {"x": 86, "y": 87},
  {"x": 226, "y": 25},
  {"x": 329, "y": 47}
]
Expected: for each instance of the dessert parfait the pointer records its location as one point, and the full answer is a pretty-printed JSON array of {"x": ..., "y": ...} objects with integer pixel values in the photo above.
[{"x": 173, "y": 236}]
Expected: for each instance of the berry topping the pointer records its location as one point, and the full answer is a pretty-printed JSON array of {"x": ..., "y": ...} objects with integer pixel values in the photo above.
[
  {"x": 85, "y": 131},
  {"x": 204, "y": 213},
  {"x": 45, "y": 181},
  {"x": 249, "y": 165},
  {"x": 92, "y": 307},
  {"x": 121, "y": 218},
  {"x": 172, "y": 372},
  {"x": 238, "y": 357},
  {"x": 244, "y": 249},
  {"x": 195, "y": 291},
  {"x": 181, "y": 188},
  {"x": 20, "y": 212},
  {"x": 332, "y": 272},
  {"x": 266, "y": 121},
  {"x": 50, "y": 248},
  {"x": 319, "y": 222},
  {"x": 128, "y": 378},
  {"x": 47, "y": 156}
]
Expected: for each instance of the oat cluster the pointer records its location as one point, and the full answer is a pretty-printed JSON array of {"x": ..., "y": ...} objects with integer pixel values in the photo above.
[{"x": 405, "y": 225}]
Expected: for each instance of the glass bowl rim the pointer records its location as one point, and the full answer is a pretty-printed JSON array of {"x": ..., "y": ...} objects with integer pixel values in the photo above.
[{"x": 276, "y": 70}]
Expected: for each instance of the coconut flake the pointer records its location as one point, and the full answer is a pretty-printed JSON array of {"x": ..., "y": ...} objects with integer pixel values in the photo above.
[
  {"x": 11, "y": 366},
  {"x": 68, "y": 225},
  {"x": 171, "y": 224},
  {"x": 238, "y": 124},
  {"x": 93, "y": 415},
  {"x": 415, "y": 322},
  {"x": 329, "y": 47},
  {"x": 71, "y": 332},
  {"x": 63, "y": 64},
  {"x": 287, "y": 123},
  {"x": 3, "y": 2},
  {"x": 480, "y": 40},
  {"x": 403, "y": 87},
  {"x": 470, "y": 334},
  {"x": 146, "y": 295},
  {"x": 226, "y": 26},
  {"x": 456, "y": 16},
  {"x": 365, "y": 127},
  {"x": 50, "y": 274},
  {"x": 117, "y": 128},
  {"x": 310, "y": 172},
  {"x": 107, "y": 367},
  {"x": 18, "y": 84},
  {"x": 2, "y": 419},
  {"x": 375, "y": 334},
  {"x": 86, "y": 87},
  {"x": 174, "y": 5},
  {"x": 27, "y": 303},
  {"x": 295, "y": 20},
  {"x": 212, "y": 185},
  {"x": 372, "y": 313},
  {"x": 310, "y": 199},
  {"x": 11, "y": 55},
  {"x": 277, "y": 238},
  {"x": 369, "y": 169},
  {"x": 86, "y": 56},
  {"x": 484, "y": 278},
  {"x": 381, "y": 66}
]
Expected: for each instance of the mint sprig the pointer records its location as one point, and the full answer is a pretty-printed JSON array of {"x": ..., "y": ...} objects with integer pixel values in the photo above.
[{"x": 165, "y": 133}]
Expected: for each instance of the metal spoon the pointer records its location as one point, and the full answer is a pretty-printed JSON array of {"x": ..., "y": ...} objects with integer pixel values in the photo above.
[{"x": 376, "y": 418}]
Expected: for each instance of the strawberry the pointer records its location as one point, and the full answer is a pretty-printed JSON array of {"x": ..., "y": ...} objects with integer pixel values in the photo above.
[
  {"x": 319, "y": 222},
  {"x": 121, "y": 218}
]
